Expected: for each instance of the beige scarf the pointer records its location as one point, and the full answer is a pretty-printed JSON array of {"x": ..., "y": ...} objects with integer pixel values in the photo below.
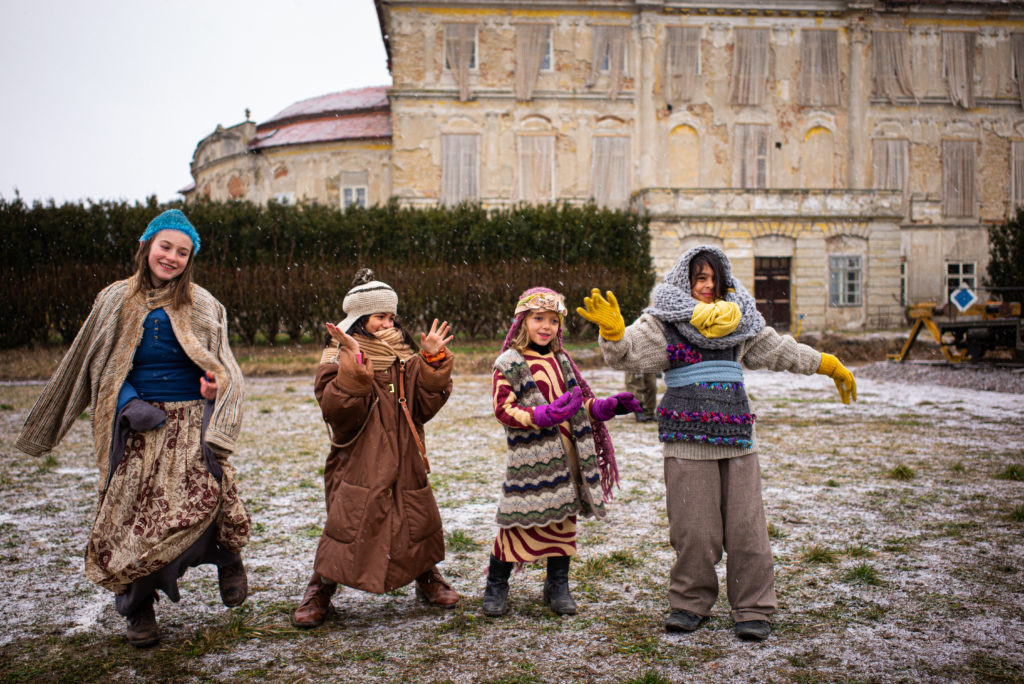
[{"x": 385, "y": 346}]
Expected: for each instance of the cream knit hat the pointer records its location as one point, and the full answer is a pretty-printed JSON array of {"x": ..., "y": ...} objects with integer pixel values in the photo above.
[{"x": 368, "y": 296}]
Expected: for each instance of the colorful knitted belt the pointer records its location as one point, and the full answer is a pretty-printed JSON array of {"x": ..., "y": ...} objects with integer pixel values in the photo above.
[{"x": 705, "y": 371}]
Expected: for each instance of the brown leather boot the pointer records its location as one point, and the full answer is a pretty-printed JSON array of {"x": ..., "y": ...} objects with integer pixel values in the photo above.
[
  {"x": 432, "y": 588},
  {"x": 234, "y": 585},
  {"x": 316, "y": 603},
  {"x": 142, "y": 629}
]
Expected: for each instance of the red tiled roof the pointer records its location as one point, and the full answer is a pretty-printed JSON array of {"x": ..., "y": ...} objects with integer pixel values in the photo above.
[
  {"x": 358, "y": 99},
  {"x": 369, "y": 125}
]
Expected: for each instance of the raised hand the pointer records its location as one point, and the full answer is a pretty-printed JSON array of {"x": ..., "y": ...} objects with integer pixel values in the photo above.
[
  {"x": 560, "y": 410},
  {"x": 604, "y": 313},
  {"x": 344, "y": 340},
  {"x": 435, "y": 340}
]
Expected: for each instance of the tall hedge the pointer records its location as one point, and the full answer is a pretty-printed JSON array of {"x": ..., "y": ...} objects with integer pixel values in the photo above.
[{"x": 286, "y": 268}]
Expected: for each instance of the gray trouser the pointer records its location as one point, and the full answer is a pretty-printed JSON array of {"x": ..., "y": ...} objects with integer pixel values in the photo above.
[
  {"x": 643, "y": 386},
  {"x": 711, "y": 505}
]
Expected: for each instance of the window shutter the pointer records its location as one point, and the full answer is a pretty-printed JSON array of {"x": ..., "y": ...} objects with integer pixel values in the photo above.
[
  {"x": 958, "y": 196},
  {"x": 889, "y": 164},
  {"x": 890, "y": 59}
]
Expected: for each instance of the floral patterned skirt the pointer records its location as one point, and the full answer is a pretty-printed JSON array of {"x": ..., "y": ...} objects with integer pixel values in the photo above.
[{"x": 162, "y": 496}]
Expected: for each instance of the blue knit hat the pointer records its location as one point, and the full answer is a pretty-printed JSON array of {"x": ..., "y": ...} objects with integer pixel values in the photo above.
[{"x": 172, "y": 219}]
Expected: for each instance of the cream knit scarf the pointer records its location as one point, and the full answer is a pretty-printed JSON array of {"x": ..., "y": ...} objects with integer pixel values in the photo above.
[{"x": 384, "y": 347}]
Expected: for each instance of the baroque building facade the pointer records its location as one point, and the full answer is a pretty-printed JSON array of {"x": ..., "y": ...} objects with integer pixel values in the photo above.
[{"x": 848, "y": 155}]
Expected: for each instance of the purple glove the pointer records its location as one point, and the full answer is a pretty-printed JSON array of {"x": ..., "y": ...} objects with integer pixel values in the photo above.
[
  {"x": 616, "y": 405},
  {"x": 560, "y": 410}
]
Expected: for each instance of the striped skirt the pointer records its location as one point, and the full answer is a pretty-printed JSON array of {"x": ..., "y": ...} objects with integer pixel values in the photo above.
[{"x": 525, "y": 544}]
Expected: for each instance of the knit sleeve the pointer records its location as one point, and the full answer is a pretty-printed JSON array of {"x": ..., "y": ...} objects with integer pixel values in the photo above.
[
  {"x": 641, "y": 348},
  {"x": 69, "y": 390},
  {"x": 226, "y": 421},
  {"x": 768, "y": 349},
  {"x": 506, "y": 407}
]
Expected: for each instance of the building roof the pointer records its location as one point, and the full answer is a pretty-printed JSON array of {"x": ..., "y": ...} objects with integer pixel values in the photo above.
[
  {"x": 366, "y": 126},
  {"x": 346, "y": 102},
  {"x": 358, "y": 114}
]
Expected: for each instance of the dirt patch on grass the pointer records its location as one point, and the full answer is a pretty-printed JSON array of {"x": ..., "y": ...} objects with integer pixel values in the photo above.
[{"x": 897, "y": 525}]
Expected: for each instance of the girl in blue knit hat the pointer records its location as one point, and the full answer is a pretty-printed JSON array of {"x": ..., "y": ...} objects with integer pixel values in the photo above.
[
  {"x": 701, "y": 329},
  {"x": 152, "y": 362}
]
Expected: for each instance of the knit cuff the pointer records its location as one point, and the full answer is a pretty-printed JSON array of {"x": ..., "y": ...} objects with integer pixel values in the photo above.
[
  {"x": 329, "y": 355},
  {"x": 434, "y": 359}
]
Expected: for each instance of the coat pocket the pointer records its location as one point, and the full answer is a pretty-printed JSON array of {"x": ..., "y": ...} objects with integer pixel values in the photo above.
[
  {"x": 421, "y": 513},
  {"x": 346, "y": 512}
]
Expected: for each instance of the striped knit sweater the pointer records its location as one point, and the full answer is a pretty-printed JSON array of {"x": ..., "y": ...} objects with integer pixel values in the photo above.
[
  {"x": 539, "y": 487},
  {"x": 644, "y": 348},
  {"x": 97, "y": 363}
]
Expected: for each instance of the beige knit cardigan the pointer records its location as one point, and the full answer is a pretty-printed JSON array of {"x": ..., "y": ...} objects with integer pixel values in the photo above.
[{"x": 94, "y": 368}]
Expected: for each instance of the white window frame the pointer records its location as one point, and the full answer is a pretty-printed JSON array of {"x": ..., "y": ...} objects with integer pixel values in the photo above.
[
  {"x": 472, "y": 58},
  {"x": 285, "y": 197},
  {"x": 606, "y": 60},
  {"x": 845, "y": 280},
  {"x": 960, "y": 273},
  {"x": 353, "y": 198},
  {"x": 547, "y": 63}
]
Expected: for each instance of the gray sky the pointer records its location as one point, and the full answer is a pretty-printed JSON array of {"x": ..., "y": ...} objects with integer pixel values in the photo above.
[{"x": 107, "y": 99}]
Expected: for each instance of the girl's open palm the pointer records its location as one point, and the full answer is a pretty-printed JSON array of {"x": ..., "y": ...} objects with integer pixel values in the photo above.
[
  {"x": 435, "y": 340},
  {"x": 344, "y": 340}
]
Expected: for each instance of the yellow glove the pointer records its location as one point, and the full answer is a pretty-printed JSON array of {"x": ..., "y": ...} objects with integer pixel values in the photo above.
[
  {"x": 717, "y": 319},
  {"x": 843, "y": 378},
  {"x": 604, "y": 313}
]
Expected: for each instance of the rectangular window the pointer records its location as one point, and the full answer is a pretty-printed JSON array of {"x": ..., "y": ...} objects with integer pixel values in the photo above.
[
  {"x": 751, "y": 155},
  {"x": 960, "y": 274},
  {"x": 958, "y": 66},
  {"x": 460, "y": 168},
  {"x": 459, "y": 39},
  {"x": 889, "y": 164},
  {"x": 536, "y": 168},
  {"x": 903, "y": 283},
  {"x": 1017, "y": 174},
  {"x": 608, "y": 55},
  {"x": 890, "y": 57},
  {"x": 609, "y": 166},
  {"x": 819, "y": 68},
  {"x": 682, "y": 64},
  {"x": 353, "y": 195},
  {"x": 749, "y": 79},
  {"x": 958, "y": 192},
  {"x": 533, "y": 55},
  {"x": 547, "y": 52},
  {"x": 844, "y": 280}
]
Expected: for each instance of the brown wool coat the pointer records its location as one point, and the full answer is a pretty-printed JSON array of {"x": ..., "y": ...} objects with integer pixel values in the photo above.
[{"x": 383, "y": 526}]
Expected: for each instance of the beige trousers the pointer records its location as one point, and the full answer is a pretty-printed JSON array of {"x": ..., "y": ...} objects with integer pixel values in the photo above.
[{"x": 711, "y": 505}]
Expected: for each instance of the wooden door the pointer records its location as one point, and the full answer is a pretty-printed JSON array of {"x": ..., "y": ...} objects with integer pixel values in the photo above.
[{"x": 771, "y": 290}]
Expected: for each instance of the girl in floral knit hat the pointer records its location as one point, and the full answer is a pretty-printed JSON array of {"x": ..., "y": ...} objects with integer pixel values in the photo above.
[
  {"x": 701, "y": 329},
  {"x": 560, "y": 458}
]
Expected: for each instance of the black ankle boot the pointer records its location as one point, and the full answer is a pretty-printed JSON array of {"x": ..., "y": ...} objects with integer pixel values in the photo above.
[
  {"x": 556, "y": 586},
  {"x": 495, "y": 601}
]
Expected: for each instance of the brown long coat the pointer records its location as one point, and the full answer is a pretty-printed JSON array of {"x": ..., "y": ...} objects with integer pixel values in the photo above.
[{"x": 383, "y": 526}]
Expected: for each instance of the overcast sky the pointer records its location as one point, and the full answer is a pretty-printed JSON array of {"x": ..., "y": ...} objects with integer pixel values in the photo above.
[{"x": 107, "y": 99}]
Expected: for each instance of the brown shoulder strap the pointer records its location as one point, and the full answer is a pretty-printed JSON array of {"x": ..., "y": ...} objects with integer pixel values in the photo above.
[{"x": 408, "y": 414}]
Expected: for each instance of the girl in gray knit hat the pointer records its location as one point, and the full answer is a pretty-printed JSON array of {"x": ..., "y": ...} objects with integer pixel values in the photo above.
[
  {"x": 701, "y": 329},
  {"x": 376, "y": 388}
]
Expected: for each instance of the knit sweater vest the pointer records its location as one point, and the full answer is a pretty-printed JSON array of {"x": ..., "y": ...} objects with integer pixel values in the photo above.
[
  {"x": 539, "y": 488},
  {"x": 706, "y": 412}
]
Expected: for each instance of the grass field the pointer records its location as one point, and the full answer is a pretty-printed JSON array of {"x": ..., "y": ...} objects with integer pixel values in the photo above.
[{"x": 897, "y": 526}]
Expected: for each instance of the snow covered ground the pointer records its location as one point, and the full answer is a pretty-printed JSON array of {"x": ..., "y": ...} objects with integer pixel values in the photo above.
[{"x": 897, "y": 525}]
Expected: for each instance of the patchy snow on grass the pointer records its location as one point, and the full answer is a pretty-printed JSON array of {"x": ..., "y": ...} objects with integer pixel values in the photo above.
[{"x": 897, "y": 536}]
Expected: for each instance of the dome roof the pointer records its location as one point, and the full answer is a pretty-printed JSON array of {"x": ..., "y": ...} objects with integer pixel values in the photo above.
[{"x": 358, "y": 114}]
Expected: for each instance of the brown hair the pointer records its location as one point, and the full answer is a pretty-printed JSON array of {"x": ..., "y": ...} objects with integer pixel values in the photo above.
[{"x": 181, "y": 286}]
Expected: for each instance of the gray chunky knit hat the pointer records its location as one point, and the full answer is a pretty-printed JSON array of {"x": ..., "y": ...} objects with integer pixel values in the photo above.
[{"x": 368, "y": 296}]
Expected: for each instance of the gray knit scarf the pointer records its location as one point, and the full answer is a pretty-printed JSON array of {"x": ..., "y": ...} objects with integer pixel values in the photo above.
[{"x": 673, "y": 303}]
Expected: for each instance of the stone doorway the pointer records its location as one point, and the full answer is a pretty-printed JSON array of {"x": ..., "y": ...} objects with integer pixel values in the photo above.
[{"x": 771, "y": 290}]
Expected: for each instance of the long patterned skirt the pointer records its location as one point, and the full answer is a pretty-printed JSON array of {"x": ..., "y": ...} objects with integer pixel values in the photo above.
[{"x": 170, "y": 504}]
